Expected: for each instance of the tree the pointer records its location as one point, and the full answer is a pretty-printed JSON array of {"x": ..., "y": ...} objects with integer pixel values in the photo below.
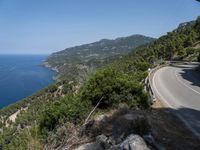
[
  {"x": 115, "y": 87},
  {"x": 67, "y": 109}
]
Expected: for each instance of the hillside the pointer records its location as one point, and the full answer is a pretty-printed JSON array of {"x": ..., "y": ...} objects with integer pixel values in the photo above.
[
  {"x": 81, "y": 60},
  {"x": 180, "y": 44},
  {"x": 57, "y": 116}
]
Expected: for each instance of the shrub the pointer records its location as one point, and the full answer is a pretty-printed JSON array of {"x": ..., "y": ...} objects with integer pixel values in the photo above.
[
  {"x": 114, "y": 87},
  {"x": 67, "y": 89},
  {"x": 27, "y": 139},
  {"x": 142, "y": 66},
  {"x": 190, "y": 51},
  {"x": 68, "y": 109},
  {"x": 52, "y": 88}
]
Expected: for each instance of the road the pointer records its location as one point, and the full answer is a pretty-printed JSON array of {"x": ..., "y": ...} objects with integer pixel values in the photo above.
[{"x": 178, "y": 87}]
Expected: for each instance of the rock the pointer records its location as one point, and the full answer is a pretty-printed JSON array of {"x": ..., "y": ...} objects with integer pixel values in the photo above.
[
  {"x": 101, "y": 139},
  {"x": 91, "y": 146},
  {"x": 104, "y": 141},
  {"x": 133, "y": 142},
  {"x": 100, "y": 144},
  {"x": 129, "y": 123}
]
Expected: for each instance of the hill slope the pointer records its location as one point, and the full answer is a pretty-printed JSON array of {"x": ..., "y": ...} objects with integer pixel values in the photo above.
[
  {"x": 82, "y": 59},
  {"x": 52, "y": 115}
]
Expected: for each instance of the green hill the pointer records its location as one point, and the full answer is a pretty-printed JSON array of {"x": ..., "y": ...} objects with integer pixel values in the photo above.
[
  {"x": 54, "y": 115},
  {"x": 80, "y": 60}
]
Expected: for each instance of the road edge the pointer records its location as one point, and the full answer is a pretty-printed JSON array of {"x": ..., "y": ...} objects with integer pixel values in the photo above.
[{"x": 158, "y": 97}]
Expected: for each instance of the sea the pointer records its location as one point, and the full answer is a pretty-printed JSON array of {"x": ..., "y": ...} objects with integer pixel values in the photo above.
[{"x": 21, "y": 76}]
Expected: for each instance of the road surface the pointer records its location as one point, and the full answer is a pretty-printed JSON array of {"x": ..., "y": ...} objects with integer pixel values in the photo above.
[{"x": 178, "y": 87}]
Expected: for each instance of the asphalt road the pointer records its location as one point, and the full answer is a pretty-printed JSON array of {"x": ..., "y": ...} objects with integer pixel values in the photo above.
[{"x": 178, "y": 87}]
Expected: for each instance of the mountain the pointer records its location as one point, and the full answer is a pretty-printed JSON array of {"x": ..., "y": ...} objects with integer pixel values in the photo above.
[
  {"x": 111, "y": 101},
  {"x": 81, "y": 60}
]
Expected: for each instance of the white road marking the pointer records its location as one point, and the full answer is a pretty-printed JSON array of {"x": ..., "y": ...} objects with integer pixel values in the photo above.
[
  {"x": 186, "y": 85},
  {"x": 158, "y": 93}
]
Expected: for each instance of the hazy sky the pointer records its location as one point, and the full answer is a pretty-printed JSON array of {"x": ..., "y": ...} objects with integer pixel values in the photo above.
[{"x": 45, "y": 26}]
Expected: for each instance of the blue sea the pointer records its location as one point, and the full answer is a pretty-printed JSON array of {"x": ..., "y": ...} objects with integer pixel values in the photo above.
[{"x": 21, "y": 76}]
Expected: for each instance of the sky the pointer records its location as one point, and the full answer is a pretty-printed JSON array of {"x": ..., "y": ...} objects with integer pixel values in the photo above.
[{"x": 46, "y": 26}]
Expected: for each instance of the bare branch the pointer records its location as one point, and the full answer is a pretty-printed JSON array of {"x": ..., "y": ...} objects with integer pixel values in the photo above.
[{"x": 93, "y": 111}]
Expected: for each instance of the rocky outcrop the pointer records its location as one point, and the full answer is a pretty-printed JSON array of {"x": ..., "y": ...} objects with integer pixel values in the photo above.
[
  {"x": 132, "y": 142},
  {"x": 129, "y": 123}
]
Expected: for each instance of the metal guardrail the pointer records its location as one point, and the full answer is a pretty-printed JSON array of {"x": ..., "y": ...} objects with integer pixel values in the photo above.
[{"x": 148, "y": 81}]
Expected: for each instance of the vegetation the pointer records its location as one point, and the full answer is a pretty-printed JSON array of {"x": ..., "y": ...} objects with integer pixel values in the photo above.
[
  {"x": 114, "y": 87},
  {"x": 69, "y": 109},
  {"x": 119, "y": 82},
  {"x": 175, "y": 45},
  {"x": 82, "y": 60},
  {"x": 28, "y": 138}
]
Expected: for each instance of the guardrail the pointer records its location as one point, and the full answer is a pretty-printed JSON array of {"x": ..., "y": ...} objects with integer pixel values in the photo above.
[{"x": 148, "y": 81}]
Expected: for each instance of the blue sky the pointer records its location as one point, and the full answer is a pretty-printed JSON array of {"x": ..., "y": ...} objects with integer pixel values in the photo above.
[{"x": 46, "y": 26}]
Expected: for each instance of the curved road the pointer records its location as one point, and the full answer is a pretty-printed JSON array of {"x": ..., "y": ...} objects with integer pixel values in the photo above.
[{"x": 178, "y": 87}]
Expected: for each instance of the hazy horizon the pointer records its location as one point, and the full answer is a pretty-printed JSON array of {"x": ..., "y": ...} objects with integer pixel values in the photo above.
[{"x": 70, "y": 46}]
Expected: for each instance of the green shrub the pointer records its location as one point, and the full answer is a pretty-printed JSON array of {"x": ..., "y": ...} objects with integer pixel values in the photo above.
[
  {"x": 68, "y": 109},
  {"x": 142, "y": 66},
  {"x": 67, "y": 89},
  {"x": 52, "y": 88},
  {"x": 190, "y": 51},
  {"x": 114, "y": 87}
]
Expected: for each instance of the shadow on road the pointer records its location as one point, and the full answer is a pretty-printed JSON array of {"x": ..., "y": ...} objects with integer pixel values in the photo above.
[
  {"x": 191, "y": 74},
  {"x": 193, "y": 117},
  {"x": 171, "y": 132}
]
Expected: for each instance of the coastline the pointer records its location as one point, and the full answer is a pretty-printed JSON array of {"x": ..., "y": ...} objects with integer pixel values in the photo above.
[{"x": 54, "y": 69}]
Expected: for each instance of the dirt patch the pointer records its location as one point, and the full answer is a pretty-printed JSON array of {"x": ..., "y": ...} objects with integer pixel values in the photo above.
[{"x": 13, "y": 117}]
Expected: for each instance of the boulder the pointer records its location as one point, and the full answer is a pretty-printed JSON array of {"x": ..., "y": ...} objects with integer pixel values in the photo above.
[
  {"x": 91, "y": 146},
  {"x": 129, "y": 123},
  {"x": 104, "y": 141},
  {"x": 133, "y": 142},
  {"x": 101, "y": 139}
]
